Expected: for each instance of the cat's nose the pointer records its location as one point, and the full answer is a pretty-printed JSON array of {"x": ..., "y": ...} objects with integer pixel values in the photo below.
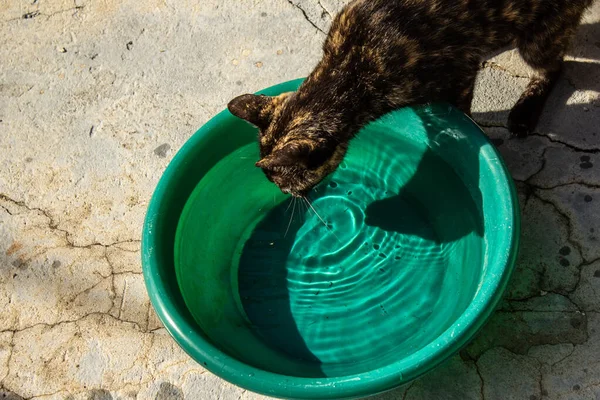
[{"x": 291, "y": 191}]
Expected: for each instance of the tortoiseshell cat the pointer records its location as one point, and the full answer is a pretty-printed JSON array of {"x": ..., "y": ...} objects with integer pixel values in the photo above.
[{"x": 380, "y": 55}]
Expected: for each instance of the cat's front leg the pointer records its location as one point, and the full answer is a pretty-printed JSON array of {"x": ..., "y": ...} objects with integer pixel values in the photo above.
[{"x": 543, "y": 49}]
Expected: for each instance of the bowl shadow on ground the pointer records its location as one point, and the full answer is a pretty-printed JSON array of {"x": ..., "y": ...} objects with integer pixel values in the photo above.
[
  {"x": 263, "y": 282},
  {"x": 562, "y": 119}
]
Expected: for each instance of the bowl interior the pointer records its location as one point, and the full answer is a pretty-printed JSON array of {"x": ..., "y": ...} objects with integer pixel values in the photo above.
[{"x": 397, "y": 260}]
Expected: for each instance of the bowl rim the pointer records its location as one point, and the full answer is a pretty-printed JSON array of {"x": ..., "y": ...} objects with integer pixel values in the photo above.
[{"x": 388, "y": 377}]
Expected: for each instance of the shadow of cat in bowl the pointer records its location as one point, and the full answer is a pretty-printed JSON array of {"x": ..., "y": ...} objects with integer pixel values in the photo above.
[{"x": 437, "y": 194}]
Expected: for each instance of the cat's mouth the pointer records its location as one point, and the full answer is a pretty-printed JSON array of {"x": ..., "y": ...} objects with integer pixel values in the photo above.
[{"x": 295, "y": 187}]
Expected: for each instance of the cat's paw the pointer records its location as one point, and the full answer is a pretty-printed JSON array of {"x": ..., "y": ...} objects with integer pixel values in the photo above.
[
  {"x": 522, "y": 120},
  {"x": 519, "y": 129}
]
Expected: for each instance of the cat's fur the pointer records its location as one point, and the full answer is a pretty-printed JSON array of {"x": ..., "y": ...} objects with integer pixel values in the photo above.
[{"x": 380, "y": 55}]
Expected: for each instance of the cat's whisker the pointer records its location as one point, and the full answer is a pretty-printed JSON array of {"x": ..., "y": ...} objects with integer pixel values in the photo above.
[
  {"x": 318, "y": 216},
  {"x": 291, "y": 218},
  {"x": 305, "y": 209},
  {"x": 289, "y": 205}
]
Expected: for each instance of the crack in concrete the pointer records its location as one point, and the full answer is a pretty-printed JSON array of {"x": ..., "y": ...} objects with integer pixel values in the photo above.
[
  {"x": 498, "y": 67},
  {"x": 183, "y": 377},
  {"x": 528, "y": 181},
  {"x": 37, "y": 13},
  {"x": 6, "y": 210},
  {"x": 325, "y": 9},
  {"x": 76, "y": 9},
  {"x": 37, "y": 396},
  {"x": 521, "y": 318},
  {"x": 565, "y": 357},
  {"x": 542, "y": 135},
  {"x": 10, "y": 353},
  {"x": 570, "y": 146},
  {"x": 74, "y": 321},
  {"x": 166, "y": 367},
  {"x": 544, "y": 160},
  {"x": 580, "y": 268},
  {"x": 122, "y": 299},
  {"x": 306, "y": 16},
  {"x": 561, "y": 185},
  {"x": 122, "y": 273},
  {"x": 113, "y": 297},
  {"x": 482, "y": 384},
  {"x": 540, "y": 377},
  {"x": 112, "y": 267},
  {"x": 515, "y": 312},
  {"x": 570, "y": 240},
  {"x": 584, "y": 262},
  {"x": 113, "y": 294},
  {"x": 87, "y": 290},
  {"x": 570, "y": 228},
  {"x": 596, "y": 294},
  {"x": 53, "y": 225},
  {"x": 513, "y": 355},
  {"x": 11, "y": 346},
  {"x": 410, "y": 386},
  {"x": 148, "y": 314},
  {"x": 67, "y": 394},
  {"x": 528, "y": 298},
  {"x": 565, "y": 217}
]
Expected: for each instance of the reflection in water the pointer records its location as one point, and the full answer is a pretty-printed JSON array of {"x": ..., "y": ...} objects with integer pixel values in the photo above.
[{"x": 386, "y": 275}]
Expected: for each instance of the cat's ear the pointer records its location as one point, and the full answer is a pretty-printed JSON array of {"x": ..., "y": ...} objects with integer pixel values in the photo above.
[
  {"x": 254, "y": 109},
  {"x": 307, "y": 153}
]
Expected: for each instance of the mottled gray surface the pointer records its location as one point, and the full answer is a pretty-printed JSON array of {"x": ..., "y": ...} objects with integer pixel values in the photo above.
[{"x": 97, "y": 96}]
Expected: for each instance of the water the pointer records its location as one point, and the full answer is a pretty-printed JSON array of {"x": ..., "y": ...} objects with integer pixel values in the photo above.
[{"x": 389, "y": 262}]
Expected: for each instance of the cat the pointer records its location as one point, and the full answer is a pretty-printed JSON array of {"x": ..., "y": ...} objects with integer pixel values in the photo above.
[{"x": 380, "y": 55}]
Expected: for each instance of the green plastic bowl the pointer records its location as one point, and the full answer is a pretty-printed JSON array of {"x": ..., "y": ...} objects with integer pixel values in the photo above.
[{"x": 414, "y": 242}]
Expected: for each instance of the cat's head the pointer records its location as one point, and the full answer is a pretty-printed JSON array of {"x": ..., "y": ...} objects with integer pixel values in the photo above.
[{"x": 297, "y": 148}]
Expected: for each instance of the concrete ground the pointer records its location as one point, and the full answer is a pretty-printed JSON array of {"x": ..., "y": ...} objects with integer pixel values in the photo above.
[{"x": 97, "y": 96}]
